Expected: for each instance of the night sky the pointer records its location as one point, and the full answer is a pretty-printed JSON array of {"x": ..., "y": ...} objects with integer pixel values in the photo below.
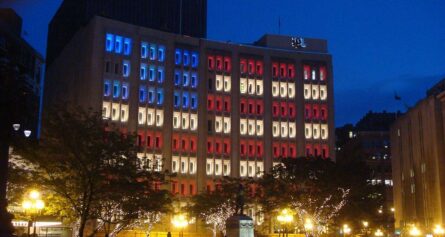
[{"x": 378, "y": 46}]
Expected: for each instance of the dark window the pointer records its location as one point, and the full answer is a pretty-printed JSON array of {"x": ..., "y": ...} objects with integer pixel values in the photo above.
[
  {"x": 107, "y": 66},
  {"x": 116, "y": 68}
]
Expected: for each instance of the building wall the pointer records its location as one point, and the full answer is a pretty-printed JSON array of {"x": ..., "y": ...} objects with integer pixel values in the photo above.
[
  {"x": 417, "y": 140},
  {"x": 79, "y": 74}
]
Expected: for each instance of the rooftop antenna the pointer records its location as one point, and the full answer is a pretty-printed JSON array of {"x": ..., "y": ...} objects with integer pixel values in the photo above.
[{"x": 279, "y": 25}]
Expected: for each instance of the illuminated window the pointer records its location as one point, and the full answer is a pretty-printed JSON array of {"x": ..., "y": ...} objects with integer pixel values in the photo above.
[
  {"x": 176, "y": 120},
  {"x": 218, "y": 124},
  {"x": 275, "y": 129},
  {"x": 306, "y": 72},
  {"x": 161, "y": 53},
  {"x": 226, "y": 126},
  {"x": 227, "y": 84},
  {"x": 324, "y": 131},
  {"x": 151, "y": 73},
  {"x": 115, "y": 111},
  {"x": 259, "y": 87},
  {"x": 143, "y": 72},
  {"x": 219, "y": 85},
  {"x": 142, "y": 116},
  {"x": 308, "y": 130},
  {"x": 227, "y": 64},
  {"x": 291, "y": 90},
  {"x": 243, "y": 126},
  {"x": 185, "y": 100},
  {"x": 109, "y": 42},
  {"x": 159, "y": 118},
  {"x": 161, "y": 75},
  {"x": 106, "y": 110},
  {"x": 177, "y": 78},
  {"x": 126, "y": 68},
  {"x": 185, "y": 121},
  {"x": 178, "y": 56},
  {"x": 175, "y": 164},
  {"x": 283, "y": 89},
  {"x": 185, "y": 79},
  {"x": 316, "y": 131},
  {"x": 275, "y": 89},
  {"x": 322, "y": 73},
  {"x": 243, "y": 85},
  {"x": 259, "y": 128},
  {"x": 307, "y": 91},
  {"x": 195, "y": 59},
  {"x": 251, "y": 86},
  {"x": 314, "y": 74},
  {"x": 124, "y": 113},
  {"x": 194, "y": 101},
  {"x": 150, "y": 117},
  {"x": 284, "y": 129},
  {"x": 152, "y": 52},
  {"x": 315, "y": 92},
  {"x": 116, "y": 89},
  {"x": 176, "y": 99},
  {"x": 127, "y": 46},
  {"x": 144, "y": 50},
  {"x": 160, "y": 96},
  {"x": 292, "y": 130},
  {"x": 142, "y": 94},
  {"x": 194, "y": 80},
  {"x": 251, "y": 127},
  {"x": 125, "y": 90},
  {"x": 193, "y": 122},
  {"x": 186, "y": 58},
  {"x": 323, "y": 92},
  {"x": 107, "y": 88},
  {"x": 118, "y": 44}
]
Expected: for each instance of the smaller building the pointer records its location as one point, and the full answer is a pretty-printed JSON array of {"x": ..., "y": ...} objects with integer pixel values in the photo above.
[{"x": 418, "y": 148}]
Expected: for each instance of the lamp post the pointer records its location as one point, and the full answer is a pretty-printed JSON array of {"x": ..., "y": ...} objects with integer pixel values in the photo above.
[
  {"x": 308, "y": 226},
  {"x": 438, "y": 230},
  {"x": 346, "y": 230},
  {"x": 378, "y": 233},
  {"x": 285, "y": 217},
  {"x": 180, "y": 221},
  {"x": 414, "y": 231},
  {"x": 33, "y": 205}
]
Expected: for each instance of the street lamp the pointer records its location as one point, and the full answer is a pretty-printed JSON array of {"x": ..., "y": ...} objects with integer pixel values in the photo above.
[
  {"x": 414, "y": 231},
  {"x": 285, "y": 217},
  {"x": 378, "y": 233},
  {"x": 438, "y": 230},
  {"x": 346, "y": 230},
  {"x": 180, "y": 222},
  {"x": 33, "y": 205}
]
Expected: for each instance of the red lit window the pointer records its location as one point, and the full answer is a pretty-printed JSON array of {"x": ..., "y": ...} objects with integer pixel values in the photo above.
[
  {"x": 323, "y": 73},
  {"x": 140, "y": 139},
  {"x": 325, "y": 151},
  {"x": 219, "y": 63},
  {"x": 226, "y": 147},
  {"x": 175, "y": 142},
  {"x": 292, "y": 110},
  {"x": 243, "y": 66},
  {"x": 158, "y": 140},
  {"x": 150, "y": 139},
  {"x": 218, "y": 146},
  {"x": 211, "y": 62},
  {"x": 315, "y": 113},
  {"x": 174, "y": 187},
  {"x": 276, "y": 149},
  {"x": 308, "y": 150},
  {"x": 306, "y": 72},
  {"x": 193, "y": 143},
  {"x": 183, "y": 189},
  {"x": 275, "y": 69},
  {"x": 259, "y": 68},
  {"x": 317, "y": 150},
  {"x": 209, "y": 145},
  {"x": 259, "y": 149},
  {"x": 219, "y": 103},
  {"x": 251, "y": 106},
  {"x": 251, "y": 148},
  {"x": 292, "y": 151},
  {"x": 210, "y": 102},
  {"x": 283, "y": 72},
  {"x": 284, "y": 151},
  {"x": 227, "y": 64},
  {"x": 243, "y": 150},
  {"x": 227, "y": 104},
  {"x": 192, "y": 189},
  {"x": 259, "y": 107},
  {"x": 251, "y": 67},
  {"x": 324, "y": 112},
  {"x": 307, "y": 111},
  {"x": 291, "y": 70},
  {"x": 283, "y": 108},
  {"x": 184, "y": 144},
  {"x": 243, "y": 106},
  {"x": 275, "y": 109}
]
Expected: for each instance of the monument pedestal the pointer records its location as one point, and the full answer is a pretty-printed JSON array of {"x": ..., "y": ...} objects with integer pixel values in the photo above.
[{"x": 239, "y": 226}]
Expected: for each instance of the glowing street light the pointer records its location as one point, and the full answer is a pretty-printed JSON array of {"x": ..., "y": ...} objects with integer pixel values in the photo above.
[
  {"x": 438, "y": 230},
  {"x": 308, "y": 225},
  {"x": 180, "y": 221},
  {"x": 33, "y": 205},
  {"x": 365, "y": 224},
  {"x": 285, "y": 217},
  {"x": 378, "y": 233},
  {"x": 346, "y": 230},
  {"x": 414, "y": 231}
]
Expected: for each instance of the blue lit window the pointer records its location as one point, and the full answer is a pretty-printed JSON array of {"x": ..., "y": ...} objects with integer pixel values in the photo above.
[
  {"x": 185, "y": 100},
  {"x": 125, "y": 91},
  {"x": 143, "y": 72},
  {"x": 107, "y": 88},
  {"x": 116, "y": 89},
  {"x": 127, "y": 46},
  {"x": 194, "y": 101},
  {"x": 161, "y": 53},
  {"x": 151, "y": 73},
  {"x": 109, "y": 42},
  {"x": 177, "y": 79},
  {"x": 126, "y": 68},
  {"x": 144, "y": 50},
  {"x": 185, "y": 79},
  {"x": 194, "y": 80},
  {"x": 160, "y": 74},
  {"x": 118, "y": 44},
  {"x": 160, "y": 96},
  {"x": 186, "y": 60},
  {"x": 152, "y": 52},
  {"x": 151, "y": 95},
  {"x": 176, "y": 99},
  {"x": 142, "y": 94},
  {"x": 178, "y": 56},
  {"x": 195, "y": 59}
]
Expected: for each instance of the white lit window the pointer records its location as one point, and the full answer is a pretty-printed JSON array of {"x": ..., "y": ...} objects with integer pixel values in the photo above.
[
  {"x": 307, "y": 91},
  {"x": 226, "y": 167},
  {"x": 323, "y": 92},
  {"x": 259, "y": 128},
  {"x": 283, "y": 89},
  {"x": 243, "y": 168},
  {"x": 106, "y": 110},
  {"x": 292, "y": 130},
  {"x": 284, "y": 129},
  {"x": 243, "y": 126},
  {"x": 185, "y": 118},
  {"x": 142, "y": 116},
  {"x": 124, "y": 113},
  {"x": 209, "y": 167},
  {"x": 243, "y": 85},
  {"x": 218, "y": 124},
  {"x": 251, "y": 168},
  {"x": 219, "y": 83},
  {"x": 159, "y": 118},
  {"x": 193, "y": 122},
  {"x": 150, "y": 117},
  {"x": 259, "y": 87},
  {"x": 291, "y": 90},
  {"x": 276, "y": 129},
  {"x": 251, "y": 127},
  {"x": 218, "y": 167},
  {"x": 227, "y": 84},
  {"x": 176, "y": 120},
  {"x": 315, "y": 92},
  {"x": 251, "y": 86},
  {"x": 259, "y": 169},
  {"x": 324, "y": 131},
  {"x": 226, "y": 125},
  {"x": 316, "y": 131},
  {"x": 275, "y": 89},
  {"x": 115, "y": 112},
  {"x": 184, "y": 165},
  {"x": 314, "y": 74},
  {"x": 308, "y": 131},
  {"x": 158, "y": 162},
  {"x": 175, "y": 164},
  {"x": 192, "y": 165}
]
